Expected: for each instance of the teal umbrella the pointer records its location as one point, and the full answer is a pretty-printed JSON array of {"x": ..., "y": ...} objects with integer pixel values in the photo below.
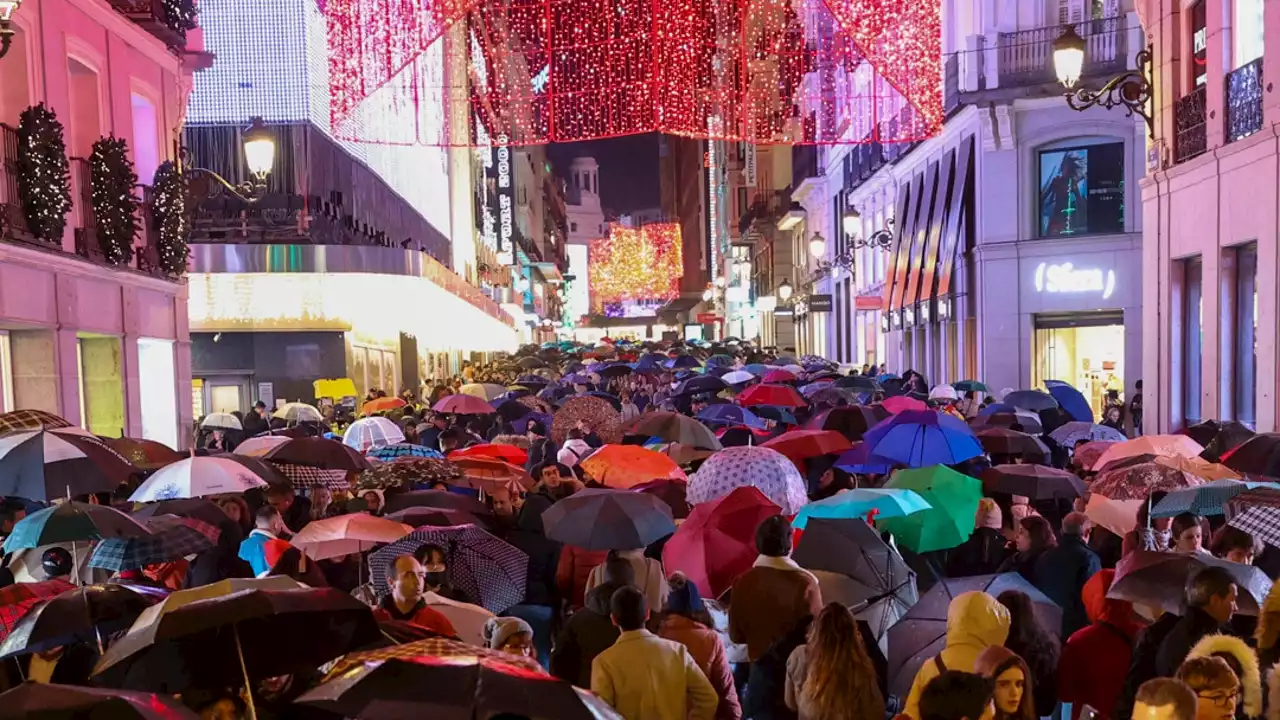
[
  {"x": 949, "y": 522},
  {"x": 1207, "y": 499},
  {"x": 970, "y": 386},
  {"x": 72, "y": 522},
  {"x": 857, "y": 503}
]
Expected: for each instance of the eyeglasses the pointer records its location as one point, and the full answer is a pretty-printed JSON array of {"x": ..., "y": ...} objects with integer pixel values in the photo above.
[{"x": 1222, "y": 700}]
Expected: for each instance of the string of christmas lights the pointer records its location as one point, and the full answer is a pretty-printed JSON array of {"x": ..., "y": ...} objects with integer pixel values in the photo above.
[
  {"x": 44, "y": 174},
  {"x": 535, "y": 71},
  {"x": 632, "y": 265},
  {"x": 115, "y": 207},
  {"x": 169, "y": 210}
]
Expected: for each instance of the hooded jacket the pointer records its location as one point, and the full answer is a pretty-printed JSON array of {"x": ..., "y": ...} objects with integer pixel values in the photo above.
[
  {"x": 1251, "y": 674},
  {"x": 992, "y": 663},
  {"x": 975, "y": 622},
  {"x": 586, "y": 634},
  {"x": 1095, "y": 659}
]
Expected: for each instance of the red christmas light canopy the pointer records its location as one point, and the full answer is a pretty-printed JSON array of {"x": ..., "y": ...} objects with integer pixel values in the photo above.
[{"x": 537, "y": 71}]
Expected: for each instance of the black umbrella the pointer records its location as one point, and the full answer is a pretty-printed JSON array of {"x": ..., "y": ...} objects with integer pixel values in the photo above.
[
  {"x": 237, "y": 638},
  {"x": 1006, "y": 441},
  {"x": 531, "y": 363},
  {"x": 48, "y": 464},
  {"x": 850, "y": 421},
  {"x": 512, "y": 410},
  {"x": 41, "y": 701},
  {"x": 1229, "y": 437},
  {"x": 614, "y": 371},
  {"x": 86, "y": 614},
  {"x": 1260, "y": 455},
  {"x": 701, "y": 384},
  {"x": 452, "y": 688},
  {"x": 1036, "y": 482},
  {"x": 318, "y": 452},
  {"x": 604, "y": 519},
  {"x": 674, "y": 427},
  {"x": 435, "y": 517},
  {"x": 442, "y": 499},
  {"x": 197, "y": 508},
  {"x": 871, "y": 578},
  {"x": 858, "y": 382},
  {"x": 672, "y": 492},
  {"x": 1203, "y": 432},
  {"x": 1033, "y": 400},
  {"x": 1158, "y": 579},
  {"x": 1021, "y": 421},
  {"x": 922, "y": 632}
]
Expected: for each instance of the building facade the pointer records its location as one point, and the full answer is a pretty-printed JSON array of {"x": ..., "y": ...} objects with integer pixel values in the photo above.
[
  {"x": 1210, "y": 215},
  {"x": 104, "y": 345}
]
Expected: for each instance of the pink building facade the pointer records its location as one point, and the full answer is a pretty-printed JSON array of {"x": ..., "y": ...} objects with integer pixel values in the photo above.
[
  {"x": 104, "y": 346},
  {"x": 1210, "y": 219}
]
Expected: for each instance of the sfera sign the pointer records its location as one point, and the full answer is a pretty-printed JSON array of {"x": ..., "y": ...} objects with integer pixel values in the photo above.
[{"x": 1067, "y": 278}]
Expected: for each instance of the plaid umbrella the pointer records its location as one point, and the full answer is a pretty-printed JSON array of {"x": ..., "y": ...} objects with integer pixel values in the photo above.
[
  {"x": 400, "y": 450},
  {"x": 1074, "y": 432},
  {"x": 171, "y": 538},
  {"x": 1257, "y": 512},
  {"x": 1207, "y": 499},
  {"x": 490, "y": 571},
  {"x": 30, "y": 420},
  {"x": 17, "y": 600},
  {"x": 305, "y": 476}
]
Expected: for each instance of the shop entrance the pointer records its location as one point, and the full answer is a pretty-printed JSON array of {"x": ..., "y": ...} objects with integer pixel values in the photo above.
[{"x": 1083, "y": 349}]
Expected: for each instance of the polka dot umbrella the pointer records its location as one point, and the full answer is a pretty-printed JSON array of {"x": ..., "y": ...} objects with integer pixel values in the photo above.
[{"x": 750, "y": 466}]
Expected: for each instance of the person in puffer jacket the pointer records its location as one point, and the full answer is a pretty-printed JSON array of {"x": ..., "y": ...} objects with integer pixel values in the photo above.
[
  {"x": 590, "y": 631},
  {"x": 975, "y": 622},
  {"x": 1243, "y": 662}
]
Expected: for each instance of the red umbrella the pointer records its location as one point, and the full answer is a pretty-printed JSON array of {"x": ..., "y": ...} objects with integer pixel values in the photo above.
[
  {"x": 18, "y": 599},
  {"x": 779, "y": 395},
  {"x": 463, "y": 405},
  {"x": 717, "y": 543},
  {"x": 800, "y": 445},
  {"x": 902, "y": 403},
  {"x": 497, "y": 451},
  {"x": 779, "y": 376}
]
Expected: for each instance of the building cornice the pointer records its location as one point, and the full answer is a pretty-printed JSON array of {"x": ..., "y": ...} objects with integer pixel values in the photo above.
[
  {"x": 61, "y": 263},
  {"x": 144, "y": 42}
]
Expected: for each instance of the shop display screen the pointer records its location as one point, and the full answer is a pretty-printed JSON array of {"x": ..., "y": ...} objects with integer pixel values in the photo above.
[{"x": 1082, "y": 190}]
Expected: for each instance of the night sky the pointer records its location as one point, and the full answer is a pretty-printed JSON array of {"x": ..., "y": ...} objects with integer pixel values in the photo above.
[{"x": 628, "y": 169}]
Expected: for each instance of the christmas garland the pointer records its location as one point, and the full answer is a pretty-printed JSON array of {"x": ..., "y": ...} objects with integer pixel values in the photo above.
[
  {"x": 169, "y": 209},
  {"x": 111, "y": 182},
  {"x": 44, "y": 175}
]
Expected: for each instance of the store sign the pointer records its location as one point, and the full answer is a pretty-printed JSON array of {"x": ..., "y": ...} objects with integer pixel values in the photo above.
[
  {"x": 868, "y": 302},
  {"x": 820, "y": 303},
  {"x": 504, "y": 201},
  {"x": 749, "y": 165},
  {"x": 1067, "y": 278}
]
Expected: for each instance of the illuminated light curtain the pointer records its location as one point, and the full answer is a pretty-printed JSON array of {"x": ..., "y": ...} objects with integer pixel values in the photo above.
[
  {"x": 633, "y": 270},
  {"x": 537, "y": 71}
]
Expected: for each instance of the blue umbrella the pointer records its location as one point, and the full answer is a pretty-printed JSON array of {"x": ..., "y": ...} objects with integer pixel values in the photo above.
[
  {"x": 1071, "y": 400},
  {"x": 920, "y": 438},
  {"x": 391, "y": 452},
  {"x": 1207, "y": 499},
  {"x": 701, "y": 384},
  {"x": 887, "y": 376},
  {"x": 777, "y": 414},
  {"x": 859, "y": 461},
  {"x": 720, "y": 361},
  {"x": 850, "y": 504},
  {"x": 727, "y": 414},
  {"x": 650, "y": 363},
  {"x": 994, "y": 408},
  {"x": 757, "y": 369},
  {"x": 683, "y": 361},
  {"x": 72, "y": 522}
]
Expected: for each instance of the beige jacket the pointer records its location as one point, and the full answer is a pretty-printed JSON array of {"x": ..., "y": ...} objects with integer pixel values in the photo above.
[{"x": 644, "y": 677}]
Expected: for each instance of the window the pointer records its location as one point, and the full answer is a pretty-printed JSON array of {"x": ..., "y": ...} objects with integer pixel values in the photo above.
[
  {"x": 146, "y": 138},
  {"x": 1199, "y": 64},
  {"x": 1082, "y": 190},
  {"x": 573, "y": 227},
  {"x": 1192, "y": 332},
  {"x": 1244, "y": 327},
  {"x": 159, "y": 394},
  {"x": 742, "y": 201},
  {"x": 1248, "y": 31}
]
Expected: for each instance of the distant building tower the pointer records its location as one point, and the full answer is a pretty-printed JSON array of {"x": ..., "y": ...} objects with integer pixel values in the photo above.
[{"x": 586, "y": 223}]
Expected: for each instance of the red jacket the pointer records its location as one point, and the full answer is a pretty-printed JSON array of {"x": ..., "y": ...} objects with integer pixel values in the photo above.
[
  {"x": 420, "y": 615},
  {"x": 574, "y": 569},
  {"x": 707, "y": 649},
  {"x": 1095, "y": 659}
]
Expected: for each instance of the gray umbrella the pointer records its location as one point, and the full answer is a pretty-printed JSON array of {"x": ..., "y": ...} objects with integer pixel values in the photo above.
[{"x": 1034, "y": 400}]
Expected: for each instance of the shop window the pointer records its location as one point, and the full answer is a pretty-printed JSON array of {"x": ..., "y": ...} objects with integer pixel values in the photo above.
[
  {"x": 1081, "y": 190},
  {"x": 1193, "y": 333},
  {"x": 1243, "y": 327},
  {"x": 158, "y": 394},
  {"x": 101, "y": 385},
  {"x": 1199, "y": 64}
]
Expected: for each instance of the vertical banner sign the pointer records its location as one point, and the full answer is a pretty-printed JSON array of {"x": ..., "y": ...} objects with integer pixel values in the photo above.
[
  {"x": 749, "y": 166},
  {"x": 715, "y": 127},
  {"x": 506, "y": 200}
]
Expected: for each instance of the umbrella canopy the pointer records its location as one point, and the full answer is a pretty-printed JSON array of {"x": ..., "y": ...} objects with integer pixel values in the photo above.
[
  {"x": 950, "y": 520},
  {"x": 675, "y": 493},
  {"x": 485, "y": 391},
  {"x": 1199, "y": 467},
  {"x": 221, "y": 636},
  {"x": 530, "y": 363},
  {"x": 625, "y": 466},
  {"x": 1086, "y": 456},
  {"x": 1077, "y": 432},
  {"x": 1228, "y": 438},
  {"x": 393, "y": 452},
  {"x": 318, "y": 453},
  {"x": 260, "y": 445},
  {"x": 717, "y": 543},
  {"x": 489, "y": 474},
  {"x": 47, "y": 464},
  {"x": 970, "y": 386},
  {"x": 382, "y": 404},
  {"x": 297, "y": 412},
  {"x": 197, "y": 508},
  {"x": 860, "y": 462},
  {"x": 1019, "y": 420},
  {"x": 884, "y": 589},
  {"x": 858, "y": 382},
  {"x": 306, "y": 476},
  {"x": 1257, "y": 512},
  {"x": 1003, "y": 441},
  {"x": 346, "y": 535},
  {"x": 922, "y": 632},
  {"x": 221, "y": 421},
  {"x": 1136, "y": 482},
  {"x": 171, "y": 538},
  {"x": 462, "y": 405},
  {"x": 801, "y": 445},
  {"x": 145, "y": 454},
  {"x": 603, "y": 519},
  {"x": 494, "y": 451},
  {"x": 779, "y": 376},
  {"x": 682, "y": 361},
  {"x": 852, "y": 421},
  {"x": 30, "y": 420},
  {"x": 406, "y": 472},
  {"x": 442, "y": 499},
  {"x": 674, "y": 427},
  {"x": 737, "y": 377},
  {"x": 860, "y": 502},
  {"x": 702, "y": 384},
  {"x": 1259, "y": 455},
  {"x": 72, "y": 522},
  {"x": 1071, "y": 400},
  {"x": 1033, "y": 400},
  {"x": 37, "y": 701},
  {"x": 490, "y": 571},
  {"x": 1207, "y": 499},
  {"x": 728, "y": 414},
  {"x": 597, "y": 414},
  {"x": 902, "y": 403},
  {"x": 453, "y": 688},
  {"x": 197, "y": 477},
  {"x": 750, "y": 466},
  {"x": 1157, "y": 579},
  {"x": 921, "y": 438},
  {"x": 1035, "y": 482},
  {"x": 416, "y": 517},
  {"x": 1167, "y": 445},
  {"x": 777, "y": 395},
  {"x": 17, "y": 600},
  {"x": 366, "y": 434}
]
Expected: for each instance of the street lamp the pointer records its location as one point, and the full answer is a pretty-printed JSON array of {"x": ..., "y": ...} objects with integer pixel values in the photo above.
[
  {"x": 785, "y": 290},
  {"x": 849, "y": 223},
  {"x": 707, "y": 294},
  {"x": 818, "y": 246},
  {"x": 259, "y": 154},
  {"x": 1130, "y": 90},
  {"x": 7, "y": 9}
]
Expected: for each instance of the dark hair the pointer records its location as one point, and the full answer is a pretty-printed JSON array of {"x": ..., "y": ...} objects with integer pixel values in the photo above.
[
  {"x": 425, "y": 552},
  {"x": 1183, "y": 522},
  {"x": 1230, "y": 538},
  {"x": 537, "y": 428},
  {"x": 280, "y": 491},
  {"x": 955, "y": 695},
  {"x": 1168, "y": 692},
  {"x": 628, "y": 609},
  {"x": 561, "y": 469},
  {"x": 454, "y": 434},
  {"x": 1210, "y": 582},
  {"x": 9, "y": 509},
  {"x": 619, "y": 570},
  {"x": 1041, "y": 533},
  {"x": 773, "y": 537},
  {"x": 1027, "y": 638}
]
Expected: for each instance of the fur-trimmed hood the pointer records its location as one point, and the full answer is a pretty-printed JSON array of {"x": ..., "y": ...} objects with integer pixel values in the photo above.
[{"x": 1251, "y": 682}]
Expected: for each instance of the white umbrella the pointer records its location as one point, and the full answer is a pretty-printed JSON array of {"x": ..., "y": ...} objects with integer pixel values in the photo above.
[
  {"x": 297, "y": 412},
  {"x": 197, "y": 477},
  {"x": 372, "y": 432},
  {"x": 261, "y": 445},
  {"x": 347, "y": 535},
  {"x": 737, "y": 376},
  {"x": 943, "y": 392},
  {"x": 485, "y": 391},
  {"x": 221, "y": 421}
]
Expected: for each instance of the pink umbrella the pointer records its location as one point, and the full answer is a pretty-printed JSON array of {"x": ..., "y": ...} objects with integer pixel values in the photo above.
[
  {"x": 779, "y": 376},
  {"x": 901, "y": 403},
  {"x": 463, "y": 405}
]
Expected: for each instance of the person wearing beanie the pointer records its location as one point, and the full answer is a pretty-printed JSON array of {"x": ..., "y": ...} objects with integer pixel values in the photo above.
[
  {"x": 510, "y": 635},
  {"x": 1011, "y": 678},
  {"x": 986, "y": 549},
  {"x": 685, "y": 620}
]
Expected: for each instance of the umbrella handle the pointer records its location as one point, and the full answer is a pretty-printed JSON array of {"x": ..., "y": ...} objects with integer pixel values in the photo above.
[{"x": 248, "y": 684}]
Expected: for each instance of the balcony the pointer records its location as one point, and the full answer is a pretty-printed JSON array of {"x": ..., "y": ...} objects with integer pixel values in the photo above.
[
  {"x": 1243, "y": 101},
  {"x": 804, "y": 164},
  {"x": 168, "y": 20},
  {"x": 13, "y": 224},
  {"x": 1189, "y": 125}
]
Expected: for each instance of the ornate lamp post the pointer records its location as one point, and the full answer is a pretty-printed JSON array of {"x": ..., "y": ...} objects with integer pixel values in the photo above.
[
  {"x": 1130, "y": 90},
  {"x": 259, "y": 154},
  {"x": 7, "y": 9}
]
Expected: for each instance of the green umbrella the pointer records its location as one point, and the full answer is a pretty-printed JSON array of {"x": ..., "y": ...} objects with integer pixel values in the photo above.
[
  {"x": 970, "y": 385},
  {"x": 949, "y": 522}
]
